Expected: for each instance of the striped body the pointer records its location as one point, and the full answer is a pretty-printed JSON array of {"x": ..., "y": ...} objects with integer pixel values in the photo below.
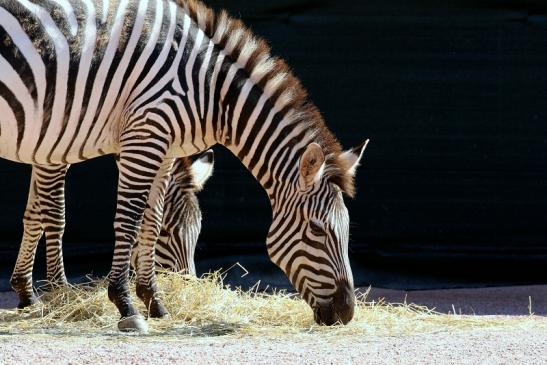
[
  {"x": 151, "y": 80},
  {"x": 84, "y": 75}
]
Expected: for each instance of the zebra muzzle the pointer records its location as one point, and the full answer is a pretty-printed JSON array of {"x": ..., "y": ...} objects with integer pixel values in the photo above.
[{"x": 339, "y": 310}]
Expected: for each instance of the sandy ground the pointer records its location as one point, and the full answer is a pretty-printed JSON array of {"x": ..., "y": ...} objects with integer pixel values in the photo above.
[
  {"x": 461, "y": 347},
  {"x": 508, "y": 345}
]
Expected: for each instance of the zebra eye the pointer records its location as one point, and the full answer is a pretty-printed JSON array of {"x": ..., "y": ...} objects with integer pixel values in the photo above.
[{"x": 316, "y": 229}]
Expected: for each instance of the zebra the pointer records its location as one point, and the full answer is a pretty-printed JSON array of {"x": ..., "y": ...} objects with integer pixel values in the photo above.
[
  {"x": 175, "y": 246},
  {"x": 152, "y": 80},
  {"x": 174, "y": 250}
]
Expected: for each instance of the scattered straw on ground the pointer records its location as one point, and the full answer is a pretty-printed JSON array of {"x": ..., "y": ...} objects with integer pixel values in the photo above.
[{"x": 206, "y": 307}]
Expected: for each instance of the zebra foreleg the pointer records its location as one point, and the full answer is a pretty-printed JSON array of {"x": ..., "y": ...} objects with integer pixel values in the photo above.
[
  {"x": 21, "y": 279},
  {"x": 139, "y": 167},
  {"x": 148, "y": 235}
]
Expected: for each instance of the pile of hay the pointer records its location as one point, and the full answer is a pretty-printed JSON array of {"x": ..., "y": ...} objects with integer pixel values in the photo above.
[{"x": 205, "y": 306}]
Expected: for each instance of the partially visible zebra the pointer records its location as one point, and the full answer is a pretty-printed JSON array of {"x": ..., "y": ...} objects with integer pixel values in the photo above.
[
  {"x": 151, "y": 80},
  {"x": 45, "y": 213},
  {"x": 181, "y": 215}
]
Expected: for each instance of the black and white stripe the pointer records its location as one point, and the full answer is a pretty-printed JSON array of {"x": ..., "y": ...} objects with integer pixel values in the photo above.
[{"x": 151, "y": 80}]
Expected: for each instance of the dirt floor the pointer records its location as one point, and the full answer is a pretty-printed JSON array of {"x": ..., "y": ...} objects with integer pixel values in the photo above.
[
  {"x": 497, "y": 345},
  {"x": 509, "y": 346}
]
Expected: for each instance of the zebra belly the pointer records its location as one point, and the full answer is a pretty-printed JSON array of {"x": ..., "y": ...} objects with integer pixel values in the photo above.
[{"x": 52, "y": 149}]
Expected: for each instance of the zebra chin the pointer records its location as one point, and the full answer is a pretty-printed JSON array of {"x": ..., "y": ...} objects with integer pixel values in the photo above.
[{"x": 339, "y": 310}]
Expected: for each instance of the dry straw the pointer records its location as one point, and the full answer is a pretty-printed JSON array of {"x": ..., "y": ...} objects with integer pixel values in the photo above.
[{"x": 205, "y": 306}]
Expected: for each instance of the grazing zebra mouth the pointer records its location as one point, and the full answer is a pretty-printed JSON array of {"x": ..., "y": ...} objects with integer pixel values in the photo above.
[
  {"x": 321, "y": 316},
  {"x": 339, "y": 310},
  {"x": 328, "y": 316}
]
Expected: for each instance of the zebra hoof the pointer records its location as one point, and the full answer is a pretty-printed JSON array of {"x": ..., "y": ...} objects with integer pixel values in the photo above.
[
  {"x": 157, "y": 310},
  {"x": 135, "y": 323},
  {"x": 27, "y": 301}
]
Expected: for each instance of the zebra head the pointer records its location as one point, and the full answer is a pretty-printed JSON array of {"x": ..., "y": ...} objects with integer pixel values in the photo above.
[{"x": 309, "y": 235}]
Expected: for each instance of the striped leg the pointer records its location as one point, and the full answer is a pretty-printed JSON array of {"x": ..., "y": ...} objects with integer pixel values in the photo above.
[
  {"x": 52, "y": 200},
  {"x": 21, "y": 279},
  {"x": 45, "y": 212},
  {"x": 148, "y": 235},
  {"x": 141, "y": 167}
]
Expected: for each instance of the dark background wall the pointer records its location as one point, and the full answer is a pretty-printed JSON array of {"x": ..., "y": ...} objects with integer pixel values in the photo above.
[{"x": 453, "y": 188}]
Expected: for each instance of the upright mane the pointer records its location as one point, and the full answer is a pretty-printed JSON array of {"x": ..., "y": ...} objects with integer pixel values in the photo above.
[{"x": 273, "y": 75}]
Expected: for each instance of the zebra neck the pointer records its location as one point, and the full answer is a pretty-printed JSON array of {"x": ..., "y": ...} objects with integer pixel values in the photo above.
[
  {"x": 268, "y": 139},
  {"x": 240, "y": 96},
  {"x": 273, "y": 158},
  {"x": 246, "y": 116}
]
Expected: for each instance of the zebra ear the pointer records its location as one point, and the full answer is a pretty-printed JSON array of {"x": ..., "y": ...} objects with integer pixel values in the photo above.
[
  {"x": 202, "y": 168},
  {"x": 312, "y": 164},
  {"x": 353, "y": 156}
]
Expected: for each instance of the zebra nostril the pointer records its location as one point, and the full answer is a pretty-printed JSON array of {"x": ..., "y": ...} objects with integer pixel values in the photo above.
[{"x": 344, "y": 303}]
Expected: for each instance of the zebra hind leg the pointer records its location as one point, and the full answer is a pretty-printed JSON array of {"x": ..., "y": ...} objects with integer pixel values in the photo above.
[
  {"x": 21, "y": 279},
  {"x": 52, "y": 195}
]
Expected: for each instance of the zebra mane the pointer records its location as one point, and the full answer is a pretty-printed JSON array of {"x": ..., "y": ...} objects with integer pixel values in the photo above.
[{"x": 274, "y": 76}]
